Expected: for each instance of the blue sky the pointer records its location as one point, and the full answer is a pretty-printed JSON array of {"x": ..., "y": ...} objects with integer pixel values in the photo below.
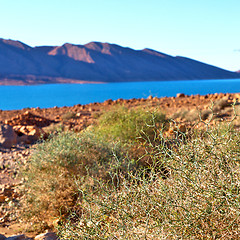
[{"x": 205, "y": 30}]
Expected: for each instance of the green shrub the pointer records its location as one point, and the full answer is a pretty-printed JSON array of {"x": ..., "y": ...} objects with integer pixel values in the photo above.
[
  {"x": 127, "y": 125},
  {"x": 199, "y": 200},
  {"x": 54, "y": 166},
  {"x": 189, "y": 188},
  {"x": 63, "y": 158}
]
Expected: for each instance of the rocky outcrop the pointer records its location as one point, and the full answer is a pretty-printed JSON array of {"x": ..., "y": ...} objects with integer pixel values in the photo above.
[
  {"x": 29, "y": 119},
  {"x": 27, "y": 128},
  {"x": 7, "y": 136},
  {"x": 28, "y": 134}
]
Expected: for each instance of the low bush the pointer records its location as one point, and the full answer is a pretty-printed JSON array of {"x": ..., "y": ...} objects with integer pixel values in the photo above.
[
  {"x": 189, "y": 188},
  {"x": 54, "y": 166},
  {"x": 126, "y": 125},
  {"x": 50, "y": 187},
  {"x": 200, "y": 199}
]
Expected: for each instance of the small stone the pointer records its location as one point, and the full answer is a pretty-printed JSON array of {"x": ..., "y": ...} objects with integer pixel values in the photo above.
[
  {"x": 150, "y": 97},
  {"x": 46, "y": 236},
  {"x": 17, "y": 237},
  {"x": 2, "y": 198},
  {"x": 180, "y": 95},
  {"x": 108, "y": 102}
]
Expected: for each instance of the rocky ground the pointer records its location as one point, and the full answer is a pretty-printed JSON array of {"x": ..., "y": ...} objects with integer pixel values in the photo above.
[{"x": 27, "y": 125}]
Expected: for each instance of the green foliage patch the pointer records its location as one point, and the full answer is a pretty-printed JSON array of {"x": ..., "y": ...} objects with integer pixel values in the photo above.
[{"x": 127, "y": 125}]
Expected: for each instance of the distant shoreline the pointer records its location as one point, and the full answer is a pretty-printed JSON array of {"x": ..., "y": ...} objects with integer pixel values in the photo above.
[
  {"x": 10, "y": 82},
  {"x": 32, "y": 83}
]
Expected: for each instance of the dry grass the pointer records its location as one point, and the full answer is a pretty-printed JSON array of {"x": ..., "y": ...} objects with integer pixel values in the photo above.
[
  {"x": 50, "y": 187},
  {"x": 189, "y": 188},
  {"x": 199, "y": 200}
]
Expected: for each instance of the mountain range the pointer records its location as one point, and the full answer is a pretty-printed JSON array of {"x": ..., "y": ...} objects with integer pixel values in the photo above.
[{"x": 96, "y": 62}]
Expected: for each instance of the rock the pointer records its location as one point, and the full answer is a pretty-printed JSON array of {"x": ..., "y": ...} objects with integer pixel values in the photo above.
[
  {"x": 180, "y": 95},
  {"x": 143, "y": 100},
  {"x": 120, "y": 100},
  {"x": 108, "y": 102},
  {"x": 150, "y": 97},
  {"x": 57, "y": 118},
  {"x": 33, "y": 131},
  {"x": 23, "y": 139},
  {"x": 46, "y": 236},
  {"x": 17, "y": 237},
  {"x": 2, "y": 237},
  {"x": 7, "y": 136},
  {"x": 27, "y": 119},
  {"x": 2, "y": 199},
  {"x": 203, "y": 97},
  {"x": 83, "y": 114},
  {"x": 28, "y": 134}
]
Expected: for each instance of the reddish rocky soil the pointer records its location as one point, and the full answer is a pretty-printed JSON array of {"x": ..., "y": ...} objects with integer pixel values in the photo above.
[{"x": 77, "y": 118}]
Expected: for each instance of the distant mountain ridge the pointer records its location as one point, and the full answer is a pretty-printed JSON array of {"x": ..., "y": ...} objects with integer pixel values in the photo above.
[{"x": 96, "y": 62}]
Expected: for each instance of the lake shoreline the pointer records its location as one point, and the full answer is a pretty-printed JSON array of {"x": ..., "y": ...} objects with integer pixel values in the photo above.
[
  {"x": 15, "y": 82},
  {"x": 32, "y": 83},
  {"x": 167, "y": 104},
  {"x": 50, "y": 95}
]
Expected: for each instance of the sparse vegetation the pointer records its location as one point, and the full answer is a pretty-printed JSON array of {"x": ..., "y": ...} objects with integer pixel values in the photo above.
[
  {"x": 221, "y": 104},
  {"x": 193, "y": 115},
  {"x": 54, "y": 167},
  {"x": 68, "y": 115},
  {"x": 53, "y": 128},
  {"x": 97, "y": 189},
  {"x": 67, "y": 156},
  {"x": 199, "y": 200}
]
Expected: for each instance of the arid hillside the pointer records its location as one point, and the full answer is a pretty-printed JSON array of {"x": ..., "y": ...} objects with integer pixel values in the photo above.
[{"x": 96, "y": 62}]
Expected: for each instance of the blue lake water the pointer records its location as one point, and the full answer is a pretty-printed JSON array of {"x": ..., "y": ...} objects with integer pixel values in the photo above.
[{"x": 43, "y": 96}]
